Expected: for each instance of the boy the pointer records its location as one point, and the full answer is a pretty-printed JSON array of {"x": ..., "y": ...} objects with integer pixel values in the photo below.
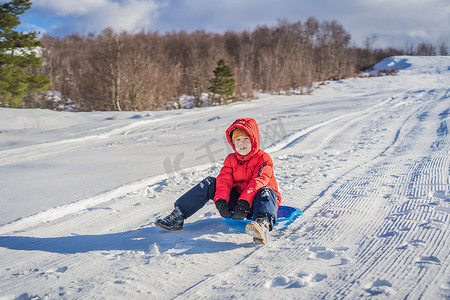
[{"x": 245, "y": 188}]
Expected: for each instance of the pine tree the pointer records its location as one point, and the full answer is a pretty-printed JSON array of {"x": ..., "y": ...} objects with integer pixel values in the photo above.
[
  {"x": 222, "y": 85},
  {"x": 17, "y": 54}
]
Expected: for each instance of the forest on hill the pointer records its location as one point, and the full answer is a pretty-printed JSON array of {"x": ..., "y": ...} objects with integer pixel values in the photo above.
[
  {"x": 146, "y": 71},
  {"x": 150, "y": 70}
]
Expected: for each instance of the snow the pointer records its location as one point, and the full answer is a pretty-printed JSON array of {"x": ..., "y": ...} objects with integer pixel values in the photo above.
[{"x": 366, "y": 159}]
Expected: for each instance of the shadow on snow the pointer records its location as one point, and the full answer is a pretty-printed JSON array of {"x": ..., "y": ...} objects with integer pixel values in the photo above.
[{"x": 194, "y": 238}]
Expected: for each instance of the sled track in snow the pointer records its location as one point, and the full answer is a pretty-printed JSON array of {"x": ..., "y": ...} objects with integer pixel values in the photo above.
[
  {"x": 30, "y": 153},
  {"x": 43, "y": 150},
  {"x": 354, "y": 118},
  {"x": 410, "y": 200},
  {"x": 413, "y": 220},
  {"x": 91, "y": 202},
  {"x": 341, "y": 123},
  {"x": 34, "y": 152}
]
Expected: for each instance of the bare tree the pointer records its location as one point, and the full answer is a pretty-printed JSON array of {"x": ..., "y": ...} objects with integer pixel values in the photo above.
[
  {"x": 443, "y": 49},
  {"x": 426, "y": 49}
]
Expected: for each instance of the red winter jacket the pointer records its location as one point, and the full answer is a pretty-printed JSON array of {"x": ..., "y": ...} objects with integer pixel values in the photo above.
[{"x": 246, "y": 174}]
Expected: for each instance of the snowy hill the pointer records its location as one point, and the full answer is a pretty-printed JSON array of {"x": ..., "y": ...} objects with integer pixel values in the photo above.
[{"x": 366, "y": 159}]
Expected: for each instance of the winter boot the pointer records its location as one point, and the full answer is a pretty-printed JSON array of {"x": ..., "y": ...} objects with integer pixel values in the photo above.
[
  {"x": 259, "y": 230},
  {"x": 174, "y": 221}
]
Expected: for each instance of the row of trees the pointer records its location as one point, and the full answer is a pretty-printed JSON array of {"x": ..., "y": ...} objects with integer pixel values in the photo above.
[
  {"x": 143, "y": 71},
  {"x": 146, "y": 71},
  {"x": 427, "y": 49}
]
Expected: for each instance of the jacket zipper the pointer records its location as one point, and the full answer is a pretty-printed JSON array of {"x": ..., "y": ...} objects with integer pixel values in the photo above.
[{"x": 260, "y": 169}]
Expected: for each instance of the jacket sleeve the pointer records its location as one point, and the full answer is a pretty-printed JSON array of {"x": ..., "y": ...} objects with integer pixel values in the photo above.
[
  {"x": 224, "y": 182},
  {"x": 261, "y": 177}
]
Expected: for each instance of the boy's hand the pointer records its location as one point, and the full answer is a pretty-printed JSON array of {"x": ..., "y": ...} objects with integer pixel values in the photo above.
[
  {"x": 241, "y": 210},
  {"x": 222, "y": 207}
]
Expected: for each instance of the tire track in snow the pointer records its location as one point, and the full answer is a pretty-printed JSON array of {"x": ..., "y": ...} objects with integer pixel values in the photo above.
[{"x": 348, "y": 119}]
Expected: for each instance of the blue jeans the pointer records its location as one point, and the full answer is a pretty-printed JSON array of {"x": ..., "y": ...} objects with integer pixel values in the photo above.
[{"x": 264, "y": 204}]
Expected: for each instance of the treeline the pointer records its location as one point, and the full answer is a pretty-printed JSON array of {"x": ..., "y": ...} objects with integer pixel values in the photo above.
[
  {"x": 146, "y": 71},
  {"x": 367, "y": 56}
]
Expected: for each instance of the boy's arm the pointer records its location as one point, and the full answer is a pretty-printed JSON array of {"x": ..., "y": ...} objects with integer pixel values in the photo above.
[
  {"x": 261, "y": 178},
  {"x": 224, "y": 182}
]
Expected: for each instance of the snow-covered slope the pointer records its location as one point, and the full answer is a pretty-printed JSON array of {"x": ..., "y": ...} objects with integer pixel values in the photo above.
[{"x": 366, "y": 159}]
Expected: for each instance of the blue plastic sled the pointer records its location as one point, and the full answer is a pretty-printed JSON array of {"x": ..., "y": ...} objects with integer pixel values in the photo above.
[{"x": 286, "y": 215}]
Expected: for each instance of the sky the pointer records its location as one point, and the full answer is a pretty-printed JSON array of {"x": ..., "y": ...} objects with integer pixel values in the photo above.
[{"x": 387, "y": 22}]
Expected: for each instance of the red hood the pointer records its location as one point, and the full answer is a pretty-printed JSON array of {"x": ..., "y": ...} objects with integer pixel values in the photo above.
[{"x": 251, "y": 127}]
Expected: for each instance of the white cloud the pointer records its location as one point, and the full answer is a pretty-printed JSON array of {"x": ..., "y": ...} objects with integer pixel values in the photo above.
[
  {"x": 397, "y": 22},
  {"x": 96, "y": 15},
  {"x": 132, "y": 15},
  {"x": 71, "y": 7},
  {"x": 393, "y": 21}
]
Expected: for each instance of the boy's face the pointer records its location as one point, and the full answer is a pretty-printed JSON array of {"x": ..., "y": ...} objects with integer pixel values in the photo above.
[{"x": 243, "y": 145}]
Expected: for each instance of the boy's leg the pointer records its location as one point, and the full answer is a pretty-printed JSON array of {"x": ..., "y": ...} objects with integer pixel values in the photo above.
[
  {"x": 264, "y": 215},
  {"x": 194, "y": 199},
  {"x": 265, "y": 205}
]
